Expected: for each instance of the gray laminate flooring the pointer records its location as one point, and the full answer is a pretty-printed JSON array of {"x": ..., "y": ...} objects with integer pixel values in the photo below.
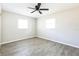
[{"x": 37, "y": 47}]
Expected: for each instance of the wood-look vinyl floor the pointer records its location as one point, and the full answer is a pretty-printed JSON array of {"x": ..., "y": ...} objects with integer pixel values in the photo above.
[{"x": 37, "y": 47}]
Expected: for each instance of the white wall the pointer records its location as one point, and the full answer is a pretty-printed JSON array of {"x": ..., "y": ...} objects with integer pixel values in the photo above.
[
  {"x": 67, "y": 27},
  {"x": 0, "y": 29},
  {"x": 0, "y": 23},
  {"x": 11, "y": 32}
]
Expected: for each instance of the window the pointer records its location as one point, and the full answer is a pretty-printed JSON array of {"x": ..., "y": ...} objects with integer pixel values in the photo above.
[
  {"x": 50, "y": 23},
  {"x": 22, "y": 24}
]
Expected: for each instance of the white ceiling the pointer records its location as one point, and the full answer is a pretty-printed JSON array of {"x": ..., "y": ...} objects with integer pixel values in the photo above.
[{"x": 21, "y": 8}]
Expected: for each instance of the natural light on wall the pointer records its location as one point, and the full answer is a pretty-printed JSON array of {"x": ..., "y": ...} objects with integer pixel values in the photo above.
[
  {"x": 50, "y": 23},
  {"x": 22, "y": 24}
]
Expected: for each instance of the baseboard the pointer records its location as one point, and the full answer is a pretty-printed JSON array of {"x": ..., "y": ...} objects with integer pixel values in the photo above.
[
  {"x": 59, "y": 42},
  {"x": 15, "y": 40},
  {"x": 41, "y": 38}
]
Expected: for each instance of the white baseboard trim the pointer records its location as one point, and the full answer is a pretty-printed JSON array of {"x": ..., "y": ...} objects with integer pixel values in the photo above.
[
  {"x": 59, "y": 42},
  {"x": 15, "y": 40},
  {"x": 42, "y": 38}
]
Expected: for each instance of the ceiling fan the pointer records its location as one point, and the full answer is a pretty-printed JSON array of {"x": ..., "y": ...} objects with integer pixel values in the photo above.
[{"x": 37, "y": 8}]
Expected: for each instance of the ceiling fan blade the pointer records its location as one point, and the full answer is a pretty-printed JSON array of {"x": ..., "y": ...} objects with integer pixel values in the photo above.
[
  {"x": 33, "y": 11},
  {"x": 44, "y": 9},
  {"x": 31, "y": 8},
  {"x": 40, "y": 12}
]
